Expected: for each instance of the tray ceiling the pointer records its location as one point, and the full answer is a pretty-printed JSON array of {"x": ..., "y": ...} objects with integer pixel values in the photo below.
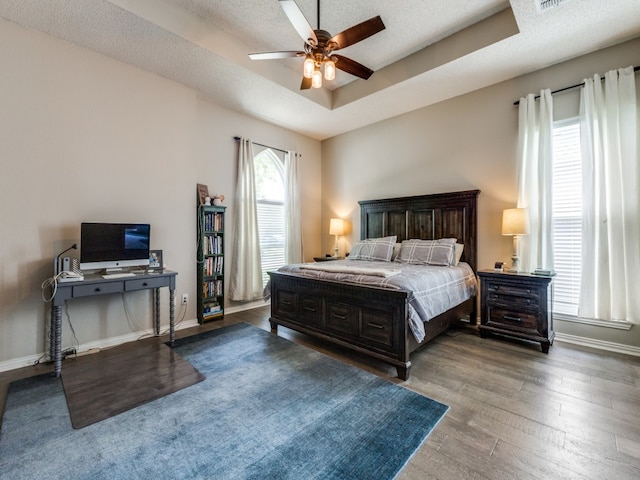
[{"x": 430, "y": 50}]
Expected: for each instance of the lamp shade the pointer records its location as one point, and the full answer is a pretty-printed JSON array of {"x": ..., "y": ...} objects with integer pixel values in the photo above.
[
  {"x": 515, "y": 221},
  {"x": 336, "y": 226}
]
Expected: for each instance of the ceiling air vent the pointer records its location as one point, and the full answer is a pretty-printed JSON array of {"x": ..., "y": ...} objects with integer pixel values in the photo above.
[{"x": 544, "y": 5}]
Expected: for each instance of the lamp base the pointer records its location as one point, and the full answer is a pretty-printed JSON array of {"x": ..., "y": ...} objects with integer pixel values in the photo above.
[{"x": 515, "y": 263}]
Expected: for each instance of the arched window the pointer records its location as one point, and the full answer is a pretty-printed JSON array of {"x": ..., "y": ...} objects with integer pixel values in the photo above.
[{"x": 270, "y": 195}]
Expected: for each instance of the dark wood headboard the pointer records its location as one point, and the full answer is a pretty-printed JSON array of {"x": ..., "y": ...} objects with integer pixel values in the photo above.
[{"x": 426, "y": 217}]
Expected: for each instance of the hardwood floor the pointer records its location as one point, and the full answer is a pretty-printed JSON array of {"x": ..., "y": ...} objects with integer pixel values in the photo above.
[{"x": 516, "y": 413}]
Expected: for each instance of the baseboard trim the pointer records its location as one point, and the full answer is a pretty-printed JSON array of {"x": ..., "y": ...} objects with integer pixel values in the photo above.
[
  {"x": 96, "y": 346},
  {"x": 599, "y": 344}
]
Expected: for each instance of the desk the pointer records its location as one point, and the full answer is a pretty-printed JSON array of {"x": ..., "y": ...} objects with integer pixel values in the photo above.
[{"x": 94, "y": 285}]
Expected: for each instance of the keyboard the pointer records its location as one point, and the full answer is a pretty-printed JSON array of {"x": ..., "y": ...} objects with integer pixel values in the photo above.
[{"x": 118, "y": 275}]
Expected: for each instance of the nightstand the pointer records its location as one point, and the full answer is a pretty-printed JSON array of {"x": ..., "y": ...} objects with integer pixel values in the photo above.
[
  {"x": 326, "y": 259},
  {"x": 517, "y": 305}
]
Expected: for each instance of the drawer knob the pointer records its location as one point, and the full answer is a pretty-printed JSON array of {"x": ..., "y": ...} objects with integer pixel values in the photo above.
[
  {"x": 511, "y": 318},
  {"x": 145, "y": 284},
  {"x": 309, "y": 309},
  {"x": 97, "y": 289},
  {"x": 375, "y": 325},
  {"x": 339, "y": 317}
]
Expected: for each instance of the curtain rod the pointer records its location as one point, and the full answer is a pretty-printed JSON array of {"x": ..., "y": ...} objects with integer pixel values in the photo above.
[
  {"x": 517, "y": 102},
  {"x": 237, "y": 139}
]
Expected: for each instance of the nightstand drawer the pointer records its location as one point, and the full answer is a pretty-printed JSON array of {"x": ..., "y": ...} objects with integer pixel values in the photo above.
[
  {"x": 512, "y": 320},
  {"x": 495, "y": 288},
  {"x": 530, "y": 303}
]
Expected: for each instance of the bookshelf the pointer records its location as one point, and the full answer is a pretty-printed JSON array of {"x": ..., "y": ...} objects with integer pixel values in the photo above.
[{"x": 210, "y": 272}]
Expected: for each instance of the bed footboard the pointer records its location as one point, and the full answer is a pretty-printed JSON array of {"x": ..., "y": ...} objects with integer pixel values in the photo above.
[{"x": 365, "y": 319}]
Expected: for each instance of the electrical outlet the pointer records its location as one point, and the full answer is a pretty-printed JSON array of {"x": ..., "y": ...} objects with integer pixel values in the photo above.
[{"x": 185, "y": 298}]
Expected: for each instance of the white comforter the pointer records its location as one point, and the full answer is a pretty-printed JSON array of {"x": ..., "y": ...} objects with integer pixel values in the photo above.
[{"x": 433, "y": 290}]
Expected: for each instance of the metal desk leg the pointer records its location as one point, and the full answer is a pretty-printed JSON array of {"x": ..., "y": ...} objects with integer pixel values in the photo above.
[
  {"x": 55, "y": 342},
  {"x": 156, "y": 311},
  {"x": 172, "y": 298}
]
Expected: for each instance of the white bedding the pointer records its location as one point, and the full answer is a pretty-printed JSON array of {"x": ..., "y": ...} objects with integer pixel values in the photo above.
[
  {"x": 433, "y": 289},
  {"x": 351, "y": 269}
]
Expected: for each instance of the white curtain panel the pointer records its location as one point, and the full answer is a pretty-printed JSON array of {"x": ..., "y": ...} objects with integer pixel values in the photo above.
[
  {"x": 611, "y": 198},
  {"x": 245, "y": 281},
  {"x": 535, "y": 150},
  {"x": 292, "y": 212}
]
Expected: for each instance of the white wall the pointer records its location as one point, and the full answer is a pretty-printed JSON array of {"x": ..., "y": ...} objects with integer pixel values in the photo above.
[
  {"x": 468, "y": 142},
  {"x": 86, "y": 138}
]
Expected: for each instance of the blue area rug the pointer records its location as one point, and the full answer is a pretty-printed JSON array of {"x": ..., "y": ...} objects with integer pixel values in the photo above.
[{"x": 268, "y": 408}]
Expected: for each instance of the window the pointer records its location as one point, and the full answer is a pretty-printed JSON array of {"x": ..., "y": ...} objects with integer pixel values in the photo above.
[
  {"x": 567, "y": 215},
  {"x": 269, "y": 172}
]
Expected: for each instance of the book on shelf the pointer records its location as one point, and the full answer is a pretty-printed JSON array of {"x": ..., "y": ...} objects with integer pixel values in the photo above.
[{"x": 213, "y": 221}]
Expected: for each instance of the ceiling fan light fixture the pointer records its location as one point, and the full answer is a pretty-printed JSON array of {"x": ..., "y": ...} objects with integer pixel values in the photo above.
[
  {"x": 309, "y": 66},
  {"x": 329, "y": 69},
  {"x": 316, "y": 78}
]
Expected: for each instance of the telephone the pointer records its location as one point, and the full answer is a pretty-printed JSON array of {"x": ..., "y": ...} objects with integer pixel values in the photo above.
[{"x": 68, "y": 276}]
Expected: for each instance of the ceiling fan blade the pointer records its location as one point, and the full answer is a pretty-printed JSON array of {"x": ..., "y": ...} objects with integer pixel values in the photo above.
[
  {"x": 298, "y": 21},
  {"x": 274, "y": 55},
  {"x": 306, "y": 83},
  {"x": 357, "y": 33},
  {"x": 351, "y": 66}
]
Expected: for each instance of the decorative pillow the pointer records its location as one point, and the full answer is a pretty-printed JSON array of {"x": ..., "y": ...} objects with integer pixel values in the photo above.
[
  {"x": 396, "y": 251},
  {"x": 459, "y": 248},
  {"x": 373, "y": 249},
  {"x": 428, "y": 252}
]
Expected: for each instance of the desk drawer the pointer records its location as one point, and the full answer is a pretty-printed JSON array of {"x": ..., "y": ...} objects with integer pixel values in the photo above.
[
  {"x": 98, "y": 289},
  {"x": 142, "y": 283}
]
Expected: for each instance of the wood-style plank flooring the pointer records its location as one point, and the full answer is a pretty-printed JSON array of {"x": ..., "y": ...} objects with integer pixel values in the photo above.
[{"x": 516, "y": 413}]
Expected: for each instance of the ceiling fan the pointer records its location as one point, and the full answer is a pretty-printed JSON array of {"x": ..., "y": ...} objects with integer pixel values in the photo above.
[{"x": 319, "y": 47}]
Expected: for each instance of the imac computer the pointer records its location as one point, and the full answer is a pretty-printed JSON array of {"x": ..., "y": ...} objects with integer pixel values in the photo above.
[{"x": 114, "y": 246}]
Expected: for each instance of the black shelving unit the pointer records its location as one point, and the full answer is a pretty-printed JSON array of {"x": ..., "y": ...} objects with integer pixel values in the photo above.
[{"x": 210, "y": 281}]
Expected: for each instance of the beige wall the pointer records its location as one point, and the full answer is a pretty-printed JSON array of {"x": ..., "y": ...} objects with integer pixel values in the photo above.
[
  {"x": 468, "y": 142},
  {"x": 87, "y": 138}
]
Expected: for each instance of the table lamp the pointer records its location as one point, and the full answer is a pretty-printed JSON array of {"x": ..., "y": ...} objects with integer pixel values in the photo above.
[
  {"x": 336, "y": 227},
  {"x": 515, "y": 222}
]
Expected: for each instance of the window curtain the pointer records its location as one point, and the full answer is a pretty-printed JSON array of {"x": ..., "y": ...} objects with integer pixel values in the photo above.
[
  {"x": 535, "y": 149},
  {"x": 245, "y": 281},
  {"x": 611, "y": 198},
  {"x": 293, "y": 217}
]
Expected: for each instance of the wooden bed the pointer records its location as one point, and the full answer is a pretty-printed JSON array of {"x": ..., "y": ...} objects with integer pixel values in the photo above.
[{"x": 373, "y": 320}]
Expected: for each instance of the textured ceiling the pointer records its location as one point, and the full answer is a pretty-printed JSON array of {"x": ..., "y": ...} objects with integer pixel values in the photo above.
[{"x": 431, "y": 50}]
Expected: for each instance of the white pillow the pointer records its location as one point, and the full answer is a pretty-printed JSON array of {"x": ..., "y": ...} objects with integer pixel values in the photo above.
[
  {"x": 428, "y": 252},
  {"x": 459, "y": 248},
  {"x": 373, "y": 249}
]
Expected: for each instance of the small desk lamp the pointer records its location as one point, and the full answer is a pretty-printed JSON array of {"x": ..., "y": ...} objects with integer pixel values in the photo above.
[
  {"x": 336, "y": 227},
  {"x": 515, "y": 221}
]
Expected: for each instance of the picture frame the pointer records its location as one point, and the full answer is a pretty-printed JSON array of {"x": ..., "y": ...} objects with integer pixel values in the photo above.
[
  {"x": 203, "y": 192},
  {"x": 155, "y": 260}
]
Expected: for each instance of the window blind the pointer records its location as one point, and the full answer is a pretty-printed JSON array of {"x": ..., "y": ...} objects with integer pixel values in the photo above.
[
  {"x": 272, "y": 236},
  {"x": 567, "y": 216}
]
